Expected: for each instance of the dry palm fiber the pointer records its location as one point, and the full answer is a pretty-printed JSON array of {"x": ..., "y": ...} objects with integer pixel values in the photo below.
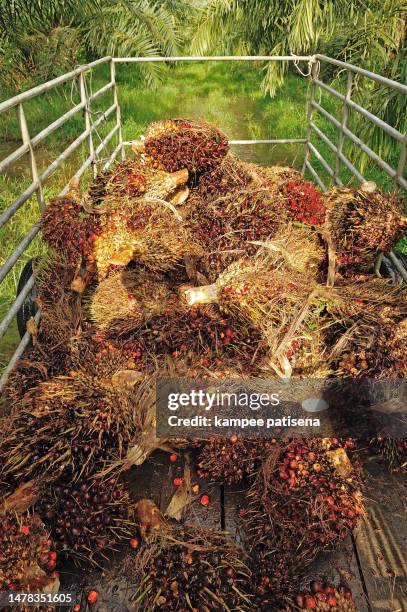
[
  {"x": 150, "y": 233},
  {"x": 362, "y": 222},
  {"x": 275, "y": 176},
  {"x": 183, "y": 143},
  {"x": 73, "y": 422},
  {"x": 394, "y": 450},
  {"x": 199, "y": 339},
  {"x": 368, "y": 330},
  {"x": 323, "y": 597},
  {"x": 189, "y": 568},
  {"x": 299, "y": 504},
  {"x": 225, "y": 227},
  {"x": 230, "y": 460},
  {"x": 26, "y": 557},
  {"x": 86, "y": 518},
  {"x": 128, "y": 298},
  {"x": 38, "y": 363}
]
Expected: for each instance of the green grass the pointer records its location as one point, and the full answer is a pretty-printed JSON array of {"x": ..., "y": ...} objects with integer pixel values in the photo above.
[{"x": 225, "y": 94}]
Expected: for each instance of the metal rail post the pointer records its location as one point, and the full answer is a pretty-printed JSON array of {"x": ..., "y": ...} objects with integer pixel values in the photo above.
[
  {"x": 402, "y": 163},
  {"x": 33, "y": 164},
  {"x": 344, "y": 122},
  {"x": 85, "y": 100},
  {"x": 314, "y": 74},
  {"x": 118, "y": 114}
]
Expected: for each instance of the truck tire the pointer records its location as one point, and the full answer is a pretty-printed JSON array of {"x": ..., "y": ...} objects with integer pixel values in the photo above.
[
  {"x": 29, "y": 307},
  {"x": 389, "y": 270}
]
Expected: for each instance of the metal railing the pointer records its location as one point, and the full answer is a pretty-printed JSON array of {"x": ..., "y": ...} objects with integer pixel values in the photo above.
[{"x": 93, "y": 159}]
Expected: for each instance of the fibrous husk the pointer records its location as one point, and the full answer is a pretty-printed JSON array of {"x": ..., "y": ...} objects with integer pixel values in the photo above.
[
  {"x": 87, "y": 518},
  {"x": 276, "y": 176},
  {"x": 298, "y": 505},
  {"x": 180, "y": 143},
  {"x": 249, "y": 288},
  {"x": 78, "y": 421},
  {"x": 361, "y": 223},
  {"x": 38, "y": 363},
  {"x": 26, "y": 557},
  {"x": 126, "y": 178},
  {"x": 226, "y": 227},
  {"x": 128, "y": 298},
  {"x": 189, "y": 568}
]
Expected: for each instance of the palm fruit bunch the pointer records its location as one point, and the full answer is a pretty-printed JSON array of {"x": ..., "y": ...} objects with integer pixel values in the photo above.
[
  {"x": 299, "y": 504},
  {"x": 189, "y": 568},
  {"x": 59, "y": 286},
  {"x": 199, "y": 339},
  {"x": 125, "y": 179},
  {"x": 128, "y": 298},
  {"x": 248, "y": 288},
  {"x": 150, "y": 233},
  {"x": 369, "y": 328},
  {"x": 227, "y": 227},
  {"x": 182, "y": 143},
  {"x": 323, "y": 597},
  {"x": 275, "y": 292},
  {"x": 65, "y": 225},
  {"x": 230, "y": 175},
  {"x": 362, "y": 222},
  {"x": 303, "y": 202},
  {"x": 27, "y": 560},
  {"x": 86, "y": 518},
  {"x": 130, "y": 180},
  {"x": 76, "y": 422},
  {"x": 230, "y": 460}
]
